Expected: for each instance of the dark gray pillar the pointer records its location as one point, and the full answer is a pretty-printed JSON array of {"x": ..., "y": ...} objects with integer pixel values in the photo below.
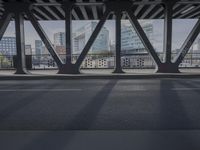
[
  {"x": 168, "y": 66},
  {"x": 20, "y": 44},
  {"x": 168, "y": 32},
  {"x": 68, "y": 67},
  {"x": 68, "y": 30},
  {"x": 118, "y": 67}
]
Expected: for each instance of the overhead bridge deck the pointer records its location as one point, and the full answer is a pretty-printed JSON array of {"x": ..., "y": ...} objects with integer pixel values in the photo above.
[
  {"x": 102, "y": 10},
  {"x": 94, "y": 9}
]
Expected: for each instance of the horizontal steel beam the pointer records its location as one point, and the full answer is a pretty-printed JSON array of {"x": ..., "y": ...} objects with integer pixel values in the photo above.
[
  {"x": 156, "y": 2},
  {"x": 76, "y": 4}
]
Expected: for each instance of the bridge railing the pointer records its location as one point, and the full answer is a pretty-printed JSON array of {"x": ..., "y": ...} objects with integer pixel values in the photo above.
[{"x": 99, "y": 61}]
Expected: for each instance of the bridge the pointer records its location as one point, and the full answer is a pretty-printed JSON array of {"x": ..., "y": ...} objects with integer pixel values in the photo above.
[
  {"x": 102, "y": 11},
  {"x": 154, "y": 110}
]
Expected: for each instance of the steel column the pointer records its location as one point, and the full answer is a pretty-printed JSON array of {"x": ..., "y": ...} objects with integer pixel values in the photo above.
[
  {"x": 4, "y": 22},
  {"x": 68, "y": 34},
  {"x": 44, "y": 38},
  {"x": 92, "y": 38},
  {"x": 168, "y": 66},
  {"x": 143, "y": 37},
  {"x": 118, "y": 67},
  {"x": 188, "y": 43},
  {"x": 20, "y": 44},
  {"x": 168, "y": 31},
  {"x": 68, "y": 67}
]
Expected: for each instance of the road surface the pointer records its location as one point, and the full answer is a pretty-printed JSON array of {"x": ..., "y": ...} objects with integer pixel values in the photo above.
[{"x": 158, "y": 104}]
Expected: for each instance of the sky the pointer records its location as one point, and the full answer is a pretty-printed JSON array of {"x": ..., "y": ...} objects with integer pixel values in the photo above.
[{"x": 181, "y": 29}]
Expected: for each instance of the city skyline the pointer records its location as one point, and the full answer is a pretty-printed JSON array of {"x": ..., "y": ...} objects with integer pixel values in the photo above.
[{"x": 181, "y": 29}]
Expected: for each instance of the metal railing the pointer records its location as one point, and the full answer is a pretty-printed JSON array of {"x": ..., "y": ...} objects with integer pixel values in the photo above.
[{"x": 100, "y": 61}]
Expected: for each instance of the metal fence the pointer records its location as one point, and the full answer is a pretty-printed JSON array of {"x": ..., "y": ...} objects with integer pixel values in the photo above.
[{"x": 100, "y": 61}]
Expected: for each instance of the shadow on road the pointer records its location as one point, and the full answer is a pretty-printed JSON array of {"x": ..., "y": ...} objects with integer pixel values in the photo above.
[
  {"x": 86, "y": 117},
  {"x": 21, "y": 103},
  {"x": 174, "y": 120}
]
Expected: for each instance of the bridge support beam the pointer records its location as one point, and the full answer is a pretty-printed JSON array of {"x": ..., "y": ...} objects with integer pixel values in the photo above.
[
  {"x": 92, "y": 38},
  {"x": 168, "y": 66},
  {"x": 4, "y": 22},
  {"x": 44, "y": 38},
  {"x": 188, "y": 43},
  {"x": 68, "y": 67},
  {"x": 143, "y": 37},
  {"x": 118, "y": 67},
  {"x": 20, "y": 44}
]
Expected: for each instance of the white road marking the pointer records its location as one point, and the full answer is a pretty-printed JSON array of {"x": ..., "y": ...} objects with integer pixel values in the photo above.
[{"x": 40, "y": 90}]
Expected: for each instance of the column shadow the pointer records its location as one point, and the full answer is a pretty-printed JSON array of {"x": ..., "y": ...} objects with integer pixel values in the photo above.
[
  {"x": 174, "y": 124},
  {"x": 82, "y": 121},
  {"x": 86, "y": 117},
  {"x": 172, "y": 112},
  {"x": 20, "y": 103}
]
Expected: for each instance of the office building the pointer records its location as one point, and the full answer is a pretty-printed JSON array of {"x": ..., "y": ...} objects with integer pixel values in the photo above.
[
  {"x": 38, "y": 48},
  {"x": 130, "y": 41},
  {"x": 82, "y": 35},
  {"x": 8, "y": 46},
  {"x": 59, "y": 39}
]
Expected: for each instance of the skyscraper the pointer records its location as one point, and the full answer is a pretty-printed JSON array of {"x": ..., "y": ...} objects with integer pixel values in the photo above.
[
  {"x": 59, "y": 39},
  {"x": 28, "y": 49},
  {"x": 8, "y": 46},
  {"x": 38, "y": 48},
  {"x": 82, "y": 35},
  {"x": 131, "y": 42}
]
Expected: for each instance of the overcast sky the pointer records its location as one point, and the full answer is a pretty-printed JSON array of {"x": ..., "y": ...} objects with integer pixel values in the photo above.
[{"x": 181, "y": 29}]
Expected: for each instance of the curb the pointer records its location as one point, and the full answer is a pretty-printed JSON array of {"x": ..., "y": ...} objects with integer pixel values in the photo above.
[{"x": 71, "y": 77}]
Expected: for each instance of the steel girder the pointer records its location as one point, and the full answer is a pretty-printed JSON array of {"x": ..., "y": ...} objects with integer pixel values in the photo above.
[
  {"x": 116, "y": 8},
  {"x": 20, "y": 40},
  {"x": 44, "y": 38},
  {"x": 4, "y": 22},
  {"x": 188, "y": 43}
]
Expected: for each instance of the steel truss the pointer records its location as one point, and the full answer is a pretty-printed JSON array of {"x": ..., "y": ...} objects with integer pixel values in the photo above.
[{"x": 115, "y": 8}]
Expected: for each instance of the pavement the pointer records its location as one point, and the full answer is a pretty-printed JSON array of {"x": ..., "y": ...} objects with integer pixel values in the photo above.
[{"x": 141, "y": 114}]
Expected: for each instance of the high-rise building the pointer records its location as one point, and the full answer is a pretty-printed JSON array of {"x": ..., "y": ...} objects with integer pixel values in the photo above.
[
  {"x": 8, "y": 46},
  {"x": 38, "y": 48},
  {"x": 59, "y": 39},
  {"x": 82, "y": 35},
  {"x": 131, "y": 42},
  {"x": 28, "y": 50}
]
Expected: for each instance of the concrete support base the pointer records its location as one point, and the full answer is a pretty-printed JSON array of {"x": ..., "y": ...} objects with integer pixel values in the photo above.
[
  {"x": 168, "y": 68},
  {"x": 69, "y": 69},
  {"x": 22, "y": 71},
  {"x": 118, "y": 71}
]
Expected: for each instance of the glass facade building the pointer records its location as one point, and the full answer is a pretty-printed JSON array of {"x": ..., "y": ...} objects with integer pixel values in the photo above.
[
  {"x": 82, "y": 35},
  {"x": 8, "y": 46},
  {"x": 59, "y": 39},
  {"x": 130, "y": 41}
]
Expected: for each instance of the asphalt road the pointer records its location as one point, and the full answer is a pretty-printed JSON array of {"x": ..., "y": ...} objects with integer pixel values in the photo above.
[{"x": 160, "y": 104}]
